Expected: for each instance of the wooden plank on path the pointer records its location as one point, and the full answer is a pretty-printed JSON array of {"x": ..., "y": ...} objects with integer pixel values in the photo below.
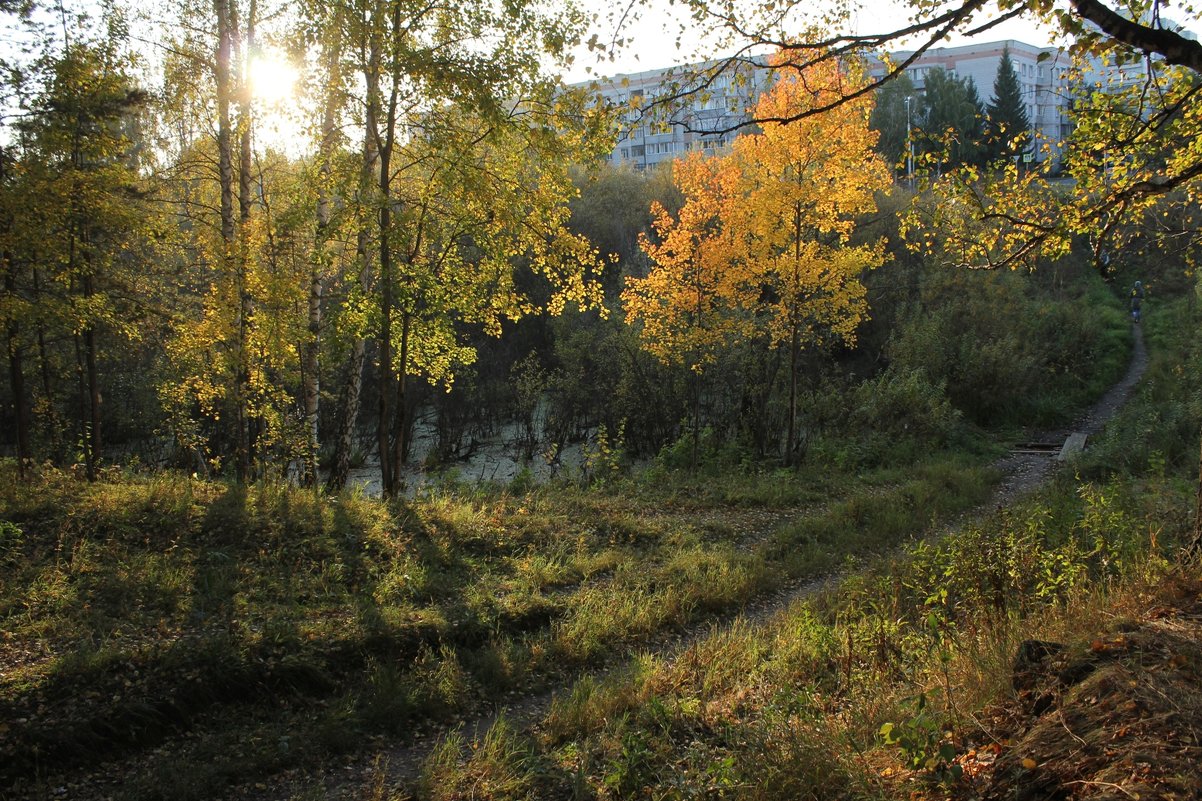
[{"x": 1074, "y": 445}]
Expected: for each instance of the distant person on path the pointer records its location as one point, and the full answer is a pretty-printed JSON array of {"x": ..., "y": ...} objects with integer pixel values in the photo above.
[{"x": 1137, "y": 300}]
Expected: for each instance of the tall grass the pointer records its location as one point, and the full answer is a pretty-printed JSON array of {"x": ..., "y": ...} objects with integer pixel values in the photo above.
[
  {"x": 384, "y": 616},
  {"x": 867, "y": 679}
]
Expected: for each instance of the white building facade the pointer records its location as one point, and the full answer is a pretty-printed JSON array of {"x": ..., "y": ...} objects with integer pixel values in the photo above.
[
  {"x": 668, "y": 112},
  {"x": 707, "y": 118}
]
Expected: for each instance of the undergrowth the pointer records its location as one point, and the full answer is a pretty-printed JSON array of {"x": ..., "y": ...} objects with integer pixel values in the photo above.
[
  {"x": 864, "y": 681},
  {"x": 222, "y": 633},
  {"x": 880, "y": 686},
  {"x": 152, "y": 606}
]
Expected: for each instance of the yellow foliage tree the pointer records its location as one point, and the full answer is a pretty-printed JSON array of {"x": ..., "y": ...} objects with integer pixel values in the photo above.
[
  {"x": 762, "y": 244},
  {"x": 686, "y": 304},
  {"x": 804, "y": 185}
]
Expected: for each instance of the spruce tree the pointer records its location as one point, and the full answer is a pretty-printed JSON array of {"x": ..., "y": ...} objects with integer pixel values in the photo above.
[
  {"x": 1008, "y": 128},
  {"x": 890, "y": 119}
]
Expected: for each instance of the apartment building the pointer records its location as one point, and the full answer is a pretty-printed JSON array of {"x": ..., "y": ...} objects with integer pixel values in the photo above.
[
  {"x": 670, "y": 111},
  {"x": 711, "y": 102},
  {"x": 1043, "y": 74}
]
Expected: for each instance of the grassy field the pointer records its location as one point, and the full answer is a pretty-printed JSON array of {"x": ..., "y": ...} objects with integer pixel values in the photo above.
[
  {"x": 902, "y": 681},
  {"x": 210, "y": 634},
  {"x": 166, "y": 637}
]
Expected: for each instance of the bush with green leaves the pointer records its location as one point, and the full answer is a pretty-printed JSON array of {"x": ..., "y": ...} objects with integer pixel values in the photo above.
[
  {"x": 11, "y": 537},
  {"x": 1010, "y": 351},
  {"x": 900, "y": 412}
]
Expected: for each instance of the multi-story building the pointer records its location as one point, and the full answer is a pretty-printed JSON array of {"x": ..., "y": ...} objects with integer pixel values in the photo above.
[
  {"x": 668, "y": 112},
  {"x": 1043, "y": 77},
  {"x": 659, "y": 128}
]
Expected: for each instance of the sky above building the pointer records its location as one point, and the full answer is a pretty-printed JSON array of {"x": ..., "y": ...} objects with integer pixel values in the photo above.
[{"x": 663, "y": 35}]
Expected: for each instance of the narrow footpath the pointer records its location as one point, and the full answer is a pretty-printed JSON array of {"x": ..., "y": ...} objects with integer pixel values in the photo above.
[{"x": 1025, "y": 472}]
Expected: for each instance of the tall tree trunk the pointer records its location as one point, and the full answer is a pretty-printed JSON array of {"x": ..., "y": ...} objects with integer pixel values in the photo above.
[
  {"x": 695, "y": 455},
  {"x": 82, "y": 392},
  {"x": 384, "y": 423},
  {"x": 225, "y": 158},
  {"x": 794, "y": 338},
  {"x": 401, "y": 443},
  {"x": 54, "y": 431},
  {"x": 389, "y": 462},
  {"x": 16, "y": 379},
  {"x": 78, "y": 255},
  {"x": 16, "y": 350},
  {"x": 225, "y": 168},
  {"x": 352, "y": 390},
  {"x": 16, "y": 373},
  {"x": 311, "y": 351},
  {"x": 348, "y": 418},
  {"x": 253, "y": 421},
  {"x": 93, "y": 378},
  {"x": 311, "y": 377},
  {"x": 791, "y": 438}
]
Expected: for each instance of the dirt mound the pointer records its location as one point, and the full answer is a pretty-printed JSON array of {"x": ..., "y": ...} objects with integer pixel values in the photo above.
[{"x": 1119, "y": 717}]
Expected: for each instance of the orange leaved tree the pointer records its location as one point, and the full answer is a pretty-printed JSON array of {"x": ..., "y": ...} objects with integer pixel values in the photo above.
[
  {"x": 804, "y": 186},
  {"x": 690, "y": 304}
]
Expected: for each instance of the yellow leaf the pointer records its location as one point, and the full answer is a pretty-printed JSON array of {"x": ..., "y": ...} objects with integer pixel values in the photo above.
[{"x": 1029, "y": 764}]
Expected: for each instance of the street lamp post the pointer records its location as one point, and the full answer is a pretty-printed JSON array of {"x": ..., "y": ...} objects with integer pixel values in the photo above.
[{"x": 909, "y": 146}]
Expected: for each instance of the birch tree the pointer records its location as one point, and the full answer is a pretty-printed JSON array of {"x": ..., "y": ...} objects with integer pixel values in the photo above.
[
  {"x": 691, "y": 304},
  {"x": 414, "y": 61},
  {"x": 70, "y": 220}
]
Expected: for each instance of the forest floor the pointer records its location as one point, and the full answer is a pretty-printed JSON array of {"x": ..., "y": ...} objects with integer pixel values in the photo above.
[{"x": 1124, "y": 724}]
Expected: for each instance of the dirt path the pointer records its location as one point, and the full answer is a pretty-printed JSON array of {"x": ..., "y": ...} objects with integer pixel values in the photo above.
[
  {"x": 1024, "y": 472},
  {"x": 396, "y": 766}
]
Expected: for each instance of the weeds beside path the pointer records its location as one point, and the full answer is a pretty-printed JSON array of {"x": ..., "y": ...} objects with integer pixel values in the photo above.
[{"x": 1022, "y": 473}]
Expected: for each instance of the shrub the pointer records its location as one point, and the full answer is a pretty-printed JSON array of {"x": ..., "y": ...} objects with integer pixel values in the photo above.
[
  {"x": 905, "y": 404},
  {"x": 11, "y": 538}
]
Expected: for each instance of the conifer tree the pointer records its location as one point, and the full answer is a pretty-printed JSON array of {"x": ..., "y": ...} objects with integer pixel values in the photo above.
[
  {"x": 891, "y": 120},
  {"x": 952, "y": 120},
  {"x": 1008, "y": 128}
]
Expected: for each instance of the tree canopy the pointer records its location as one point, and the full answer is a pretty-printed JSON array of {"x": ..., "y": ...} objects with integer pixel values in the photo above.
[{"x": 952, "y": 120}]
